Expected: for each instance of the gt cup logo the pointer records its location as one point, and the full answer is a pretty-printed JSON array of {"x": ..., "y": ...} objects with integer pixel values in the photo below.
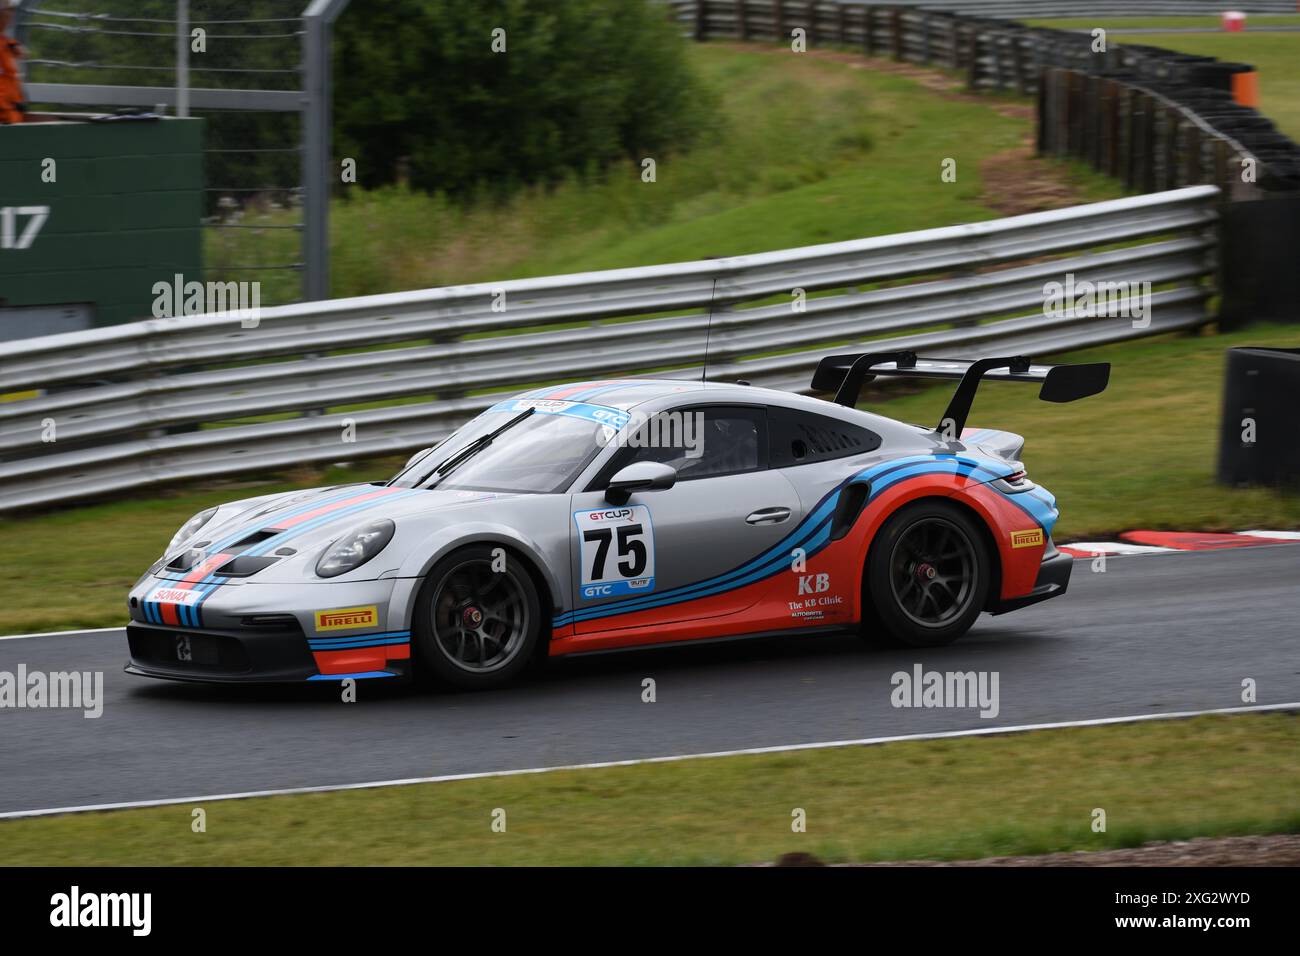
[
  {"x": 552, "y": 406},
  {"x": 617, "y": 551},
  {"x": 1027, "y": 539}
]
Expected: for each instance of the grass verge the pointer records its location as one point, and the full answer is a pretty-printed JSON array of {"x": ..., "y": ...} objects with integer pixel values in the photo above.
[
  {"x": 951, "y": 799},
  {"x": 810, "y": 149}
]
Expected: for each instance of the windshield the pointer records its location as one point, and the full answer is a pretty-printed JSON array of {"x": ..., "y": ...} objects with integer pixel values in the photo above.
[{"x": 540, "y": 454}]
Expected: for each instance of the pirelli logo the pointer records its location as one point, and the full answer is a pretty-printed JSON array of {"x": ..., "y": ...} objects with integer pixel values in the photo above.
[
  {"x": 1027, "y": 539},
  {"x": 347, "y": 618}
]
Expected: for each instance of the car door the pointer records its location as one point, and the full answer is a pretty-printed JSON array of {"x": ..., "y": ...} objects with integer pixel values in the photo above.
[{"x": 692, "y": 551}]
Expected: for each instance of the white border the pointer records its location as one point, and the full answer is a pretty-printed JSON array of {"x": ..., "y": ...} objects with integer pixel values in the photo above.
[{"x": 785, "y": 748}]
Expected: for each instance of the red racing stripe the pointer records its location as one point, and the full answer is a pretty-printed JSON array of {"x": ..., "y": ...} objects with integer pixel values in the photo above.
[{"x": 332, "y": 506}]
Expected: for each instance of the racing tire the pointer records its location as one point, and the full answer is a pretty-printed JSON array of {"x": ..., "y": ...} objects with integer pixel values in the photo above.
[
  {"x": 474, "y": 627},
  {"x": 927, "y": 575}
]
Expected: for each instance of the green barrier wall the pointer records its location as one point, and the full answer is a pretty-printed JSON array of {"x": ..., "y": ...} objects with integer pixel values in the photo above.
[{"x": 122, "y": 213}]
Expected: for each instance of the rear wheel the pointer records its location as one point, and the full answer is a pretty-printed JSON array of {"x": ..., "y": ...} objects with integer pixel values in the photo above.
[
  {"x": 476, "y": 627},
  {"x": 927, "y": 575}
]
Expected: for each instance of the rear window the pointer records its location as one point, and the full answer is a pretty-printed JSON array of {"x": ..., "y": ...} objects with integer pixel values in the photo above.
[{"x": 801, "y": 438}]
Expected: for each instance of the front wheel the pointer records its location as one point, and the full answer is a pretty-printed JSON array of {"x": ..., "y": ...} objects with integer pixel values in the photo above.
[
  {"x": 476, "y": 627},
  {"x": 927, "y": 575}
]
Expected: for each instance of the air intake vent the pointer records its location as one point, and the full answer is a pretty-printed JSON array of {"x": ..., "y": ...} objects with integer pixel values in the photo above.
[
  {"x": 246, "y": 565},
  {"x": 257, "y": 537},
  {"x": 186, "y": 560}
]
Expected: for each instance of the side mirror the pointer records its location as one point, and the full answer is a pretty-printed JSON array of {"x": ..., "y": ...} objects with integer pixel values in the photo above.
[
  {"x": 416, "y": 457},
  {"x": 639, "y": 476}
]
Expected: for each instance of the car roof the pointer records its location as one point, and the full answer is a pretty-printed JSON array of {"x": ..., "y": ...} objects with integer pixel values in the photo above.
[{"x": 627, "y": 394}]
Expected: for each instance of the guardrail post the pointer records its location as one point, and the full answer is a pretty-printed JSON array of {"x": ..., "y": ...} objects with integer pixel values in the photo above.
[
  {"x": 1173, "y": 123},
  {"x": 896, "y": 32},
  {"x": 1070, "y": 135},
  {"x": 1112, "y": 128},
  {"x": 701, "y": 20},
  {"x": 841, "y": 25},
  {"x": 810, "y": 21},
  {"x": 1044, "y": 119},
  {"x": 1128, "y": 134},
  {"x": 1195, "y": 157},
  {"x": 778, "y": 20},
  {"x": 1091, "y": 119},
  {"x": 742, "y": 24},
  {"x": 1018, "y": 64},
  {"x": 1148, "y": 143},
  {"x": 1221, "y": 165},
  {"x": 1064, "y": 118},
  {"x": 925, "y": 36},
  {"x": 973, "y": 55},
  {"x": 1003, "y": 62},
  {"x": 868, "y": 34}
]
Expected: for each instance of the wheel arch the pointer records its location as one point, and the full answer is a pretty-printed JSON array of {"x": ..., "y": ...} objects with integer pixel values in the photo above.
[
  {"x": 517, "y": 548},
  {"x": 981, "y": 520}
]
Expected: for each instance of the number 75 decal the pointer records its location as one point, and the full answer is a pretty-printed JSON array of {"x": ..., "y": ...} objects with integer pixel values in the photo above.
[
  {"x": 9, "y": 236},
  {"x": 617, "y": 551}
]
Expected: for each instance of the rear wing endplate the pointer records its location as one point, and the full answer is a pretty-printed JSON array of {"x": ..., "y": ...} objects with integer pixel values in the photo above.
[{"x": 846, "y": 374}]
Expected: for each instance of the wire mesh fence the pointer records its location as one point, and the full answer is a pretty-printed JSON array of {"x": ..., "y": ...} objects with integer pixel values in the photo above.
[{"x": 252, "y": 211}]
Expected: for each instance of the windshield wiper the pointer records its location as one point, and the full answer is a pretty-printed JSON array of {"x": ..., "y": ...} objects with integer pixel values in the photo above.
[{"x": 474, "y": 447}]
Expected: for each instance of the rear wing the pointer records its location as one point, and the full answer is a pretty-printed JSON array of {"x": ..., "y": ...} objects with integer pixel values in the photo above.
[{"x": 846, "y": 374}]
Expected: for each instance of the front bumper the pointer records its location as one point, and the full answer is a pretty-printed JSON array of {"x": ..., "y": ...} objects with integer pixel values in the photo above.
[
  {"x": 1053, "y": 578},
  {"x": 270, "y": 634}
]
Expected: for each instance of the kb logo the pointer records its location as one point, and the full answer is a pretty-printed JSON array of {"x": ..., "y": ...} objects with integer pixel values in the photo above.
[{"x": 814, "y": 583}]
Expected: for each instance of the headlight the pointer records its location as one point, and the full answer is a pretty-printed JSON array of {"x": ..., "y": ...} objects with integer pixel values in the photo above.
[
  {"x": 355, "y": 548},
  {"x": 190, "y": 528}
]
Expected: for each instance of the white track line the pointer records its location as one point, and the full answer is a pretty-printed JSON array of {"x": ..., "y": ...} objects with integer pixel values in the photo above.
[
  {"x": 91, "y": 630},
  {"x": 1111, "y": 548},
  {"x": 785, "y": 748}
]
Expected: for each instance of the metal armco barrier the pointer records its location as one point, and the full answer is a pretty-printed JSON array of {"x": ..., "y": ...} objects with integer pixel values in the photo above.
[
  {"x": 136, "y": 405},
  {"x": 1171, "y": 117}
]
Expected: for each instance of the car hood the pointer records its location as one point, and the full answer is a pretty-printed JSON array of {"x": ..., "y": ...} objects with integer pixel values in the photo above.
[{"x": 292, "y": 527}]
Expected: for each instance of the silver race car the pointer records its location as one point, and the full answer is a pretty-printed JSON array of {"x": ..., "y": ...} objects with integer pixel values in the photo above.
[{"x": 617, "y": 514}]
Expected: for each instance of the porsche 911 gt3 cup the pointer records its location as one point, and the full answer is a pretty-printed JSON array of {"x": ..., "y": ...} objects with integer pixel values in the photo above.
[{"x": 618, "y": 514}]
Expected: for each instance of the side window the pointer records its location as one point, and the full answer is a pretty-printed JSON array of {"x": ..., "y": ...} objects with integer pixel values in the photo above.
[
  {"x": 800, "y": 438},
  {"x": 701, "y": 441}
]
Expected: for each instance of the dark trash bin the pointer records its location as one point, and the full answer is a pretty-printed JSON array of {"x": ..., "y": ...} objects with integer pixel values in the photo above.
[{"x": 1262, "y": 389}]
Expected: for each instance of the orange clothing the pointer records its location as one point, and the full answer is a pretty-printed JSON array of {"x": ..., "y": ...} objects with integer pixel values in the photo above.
[{"x": 11, "y": 88}]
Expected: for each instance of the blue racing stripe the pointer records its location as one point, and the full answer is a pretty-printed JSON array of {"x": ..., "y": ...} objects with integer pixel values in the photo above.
[
  {"x": 209, "y": 583},
  {"x": 812, "y": 534}
]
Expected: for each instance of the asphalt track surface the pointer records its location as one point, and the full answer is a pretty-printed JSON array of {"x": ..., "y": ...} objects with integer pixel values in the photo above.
[{"x": 1154, "y": 633}]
